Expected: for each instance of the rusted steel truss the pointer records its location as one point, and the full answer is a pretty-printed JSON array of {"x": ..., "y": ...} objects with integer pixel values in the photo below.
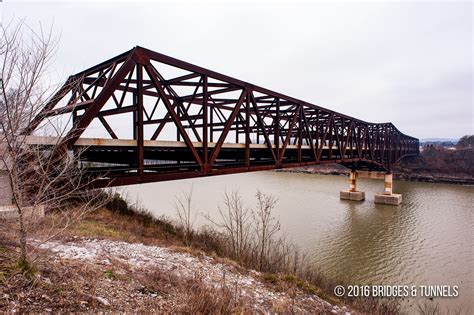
[{"x": 223, "y": 125}]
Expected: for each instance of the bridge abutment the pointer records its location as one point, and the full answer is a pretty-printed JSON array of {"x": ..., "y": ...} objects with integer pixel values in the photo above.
[
  {"x": 8, "y": 211},
  {"x": 5, "y": 189}
]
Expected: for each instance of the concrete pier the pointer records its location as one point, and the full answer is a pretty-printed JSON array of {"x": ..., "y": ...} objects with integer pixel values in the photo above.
[
  {"x": 387, "y": 197},
  {"x": 352, "y": 193}
]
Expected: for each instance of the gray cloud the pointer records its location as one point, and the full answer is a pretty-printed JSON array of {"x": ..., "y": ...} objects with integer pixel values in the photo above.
[{"x": 406, "y": 63}]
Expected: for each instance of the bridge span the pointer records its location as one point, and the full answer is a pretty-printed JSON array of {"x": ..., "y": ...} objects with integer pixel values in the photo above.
[{"x": 157, "y": 118}]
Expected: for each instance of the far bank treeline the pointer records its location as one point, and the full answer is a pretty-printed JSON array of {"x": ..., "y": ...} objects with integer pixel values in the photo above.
[{"x": 439, "y": 163}]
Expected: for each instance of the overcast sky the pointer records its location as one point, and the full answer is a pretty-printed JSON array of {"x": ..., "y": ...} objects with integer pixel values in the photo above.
[{"x": 408, "y": 63}]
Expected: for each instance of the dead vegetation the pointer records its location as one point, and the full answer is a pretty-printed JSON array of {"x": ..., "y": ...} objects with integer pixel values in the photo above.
[
  {"x": 285, "y": 269},
  {"x": 57, "y": 284},
  {"x": 39, "y": 179},
  {"x": 67, "y": 286},
  {"x": 48, "y": 285}
]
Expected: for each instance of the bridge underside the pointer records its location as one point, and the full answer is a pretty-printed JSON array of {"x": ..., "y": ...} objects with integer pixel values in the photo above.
[{"x": 160, "y": 118}]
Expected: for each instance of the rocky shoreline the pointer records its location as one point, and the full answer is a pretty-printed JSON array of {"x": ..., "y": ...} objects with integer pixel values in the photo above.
[{"x": 336, "y": 169}]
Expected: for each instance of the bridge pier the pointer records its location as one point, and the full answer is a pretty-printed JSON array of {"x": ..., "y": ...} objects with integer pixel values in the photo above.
[
  {"x": 387, "y": 197},
  {"x": 352, "y": 193}
]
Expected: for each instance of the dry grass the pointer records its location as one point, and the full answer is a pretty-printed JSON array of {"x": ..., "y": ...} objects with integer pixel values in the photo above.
[
  {"x": 190, "y": 296},
  {"x": 107, "y": 224},
  {"x": 122, "y": 222},
  {"x": 194, "y": 296},
  {"x": 74, "y": 286}
]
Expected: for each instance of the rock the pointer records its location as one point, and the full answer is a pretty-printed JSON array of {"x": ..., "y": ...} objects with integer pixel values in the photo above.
[
  {"x": 47, "y": 280},
  {"x": 103, "y": 301}
]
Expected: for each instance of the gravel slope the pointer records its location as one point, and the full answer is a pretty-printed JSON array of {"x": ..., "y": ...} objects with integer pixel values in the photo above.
[{"x": 135, "y": 257}]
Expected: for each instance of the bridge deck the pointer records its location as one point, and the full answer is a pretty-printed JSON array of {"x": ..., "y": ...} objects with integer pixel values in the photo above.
[{"x": 104, "y": 142}]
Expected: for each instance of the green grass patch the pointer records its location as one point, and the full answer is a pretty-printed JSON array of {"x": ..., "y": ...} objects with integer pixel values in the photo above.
[
  {"x": 288, "y": 279},
  {"x": 109, "y": 274},
  {"x": 93, "y": 229},
  {"x": 271, "y": 278}
]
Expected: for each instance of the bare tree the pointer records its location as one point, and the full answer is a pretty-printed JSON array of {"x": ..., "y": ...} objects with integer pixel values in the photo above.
[
  {"x": 236, "y": 221},
  {"x": 183, "y": 206},
  {"x": 40, "y": 178},
  {"x": 266, "y": 226}
]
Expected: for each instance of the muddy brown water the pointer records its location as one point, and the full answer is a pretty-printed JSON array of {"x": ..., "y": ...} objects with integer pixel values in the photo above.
[{"x": 428, "y": 240}]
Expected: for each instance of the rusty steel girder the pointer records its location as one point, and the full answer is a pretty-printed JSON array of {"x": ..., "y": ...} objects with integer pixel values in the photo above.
[{"x": 221, "y": 125}]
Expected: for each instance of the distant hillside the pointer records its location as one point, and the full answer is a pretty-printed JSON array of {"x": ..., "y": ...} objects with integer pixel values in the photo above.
[
  {"x": 454, "y": 140},
  {"x": 439, "y": 163}
]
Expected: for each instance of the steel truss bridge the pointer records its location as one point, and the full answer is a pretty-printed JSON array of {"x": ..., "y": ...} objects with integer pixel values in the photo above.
[{"x": 166, "y": 119}]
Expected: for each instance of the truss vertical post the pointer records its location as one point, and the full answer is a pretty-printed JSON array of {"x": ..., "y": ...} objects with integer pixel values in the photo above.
[
  {"x": 211, "y": 123},
  {"x": 247, "y": 131},
  {"x": 318, "y": 126},
  {"x": 332, "y": 127},
  {"x": 300, "y": 133},
  {"x": 205, "y": 163},
  {"x": 276, "y": 123},
  {"x": 237, "y": 124},
  {"x": 139, "y": 115}
]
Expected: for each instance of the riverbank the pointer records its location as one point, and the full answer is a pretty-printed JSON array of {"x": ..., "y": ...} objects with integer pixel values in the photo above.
[
  {"x": 398, "y": 173},
  {"x": 114, "y": 262}
]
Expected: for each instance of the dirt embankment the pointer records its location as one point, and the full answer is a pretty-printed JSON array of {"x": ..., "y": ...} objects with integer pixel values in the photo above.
[
  {"x": 133, "y": 276},
  {"x": 111, "y": 262}
]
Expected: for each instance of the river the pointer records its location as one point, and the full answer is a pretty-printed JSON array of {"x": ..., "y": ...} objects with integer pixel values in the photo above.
[{"x": 427, "y": 240}]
